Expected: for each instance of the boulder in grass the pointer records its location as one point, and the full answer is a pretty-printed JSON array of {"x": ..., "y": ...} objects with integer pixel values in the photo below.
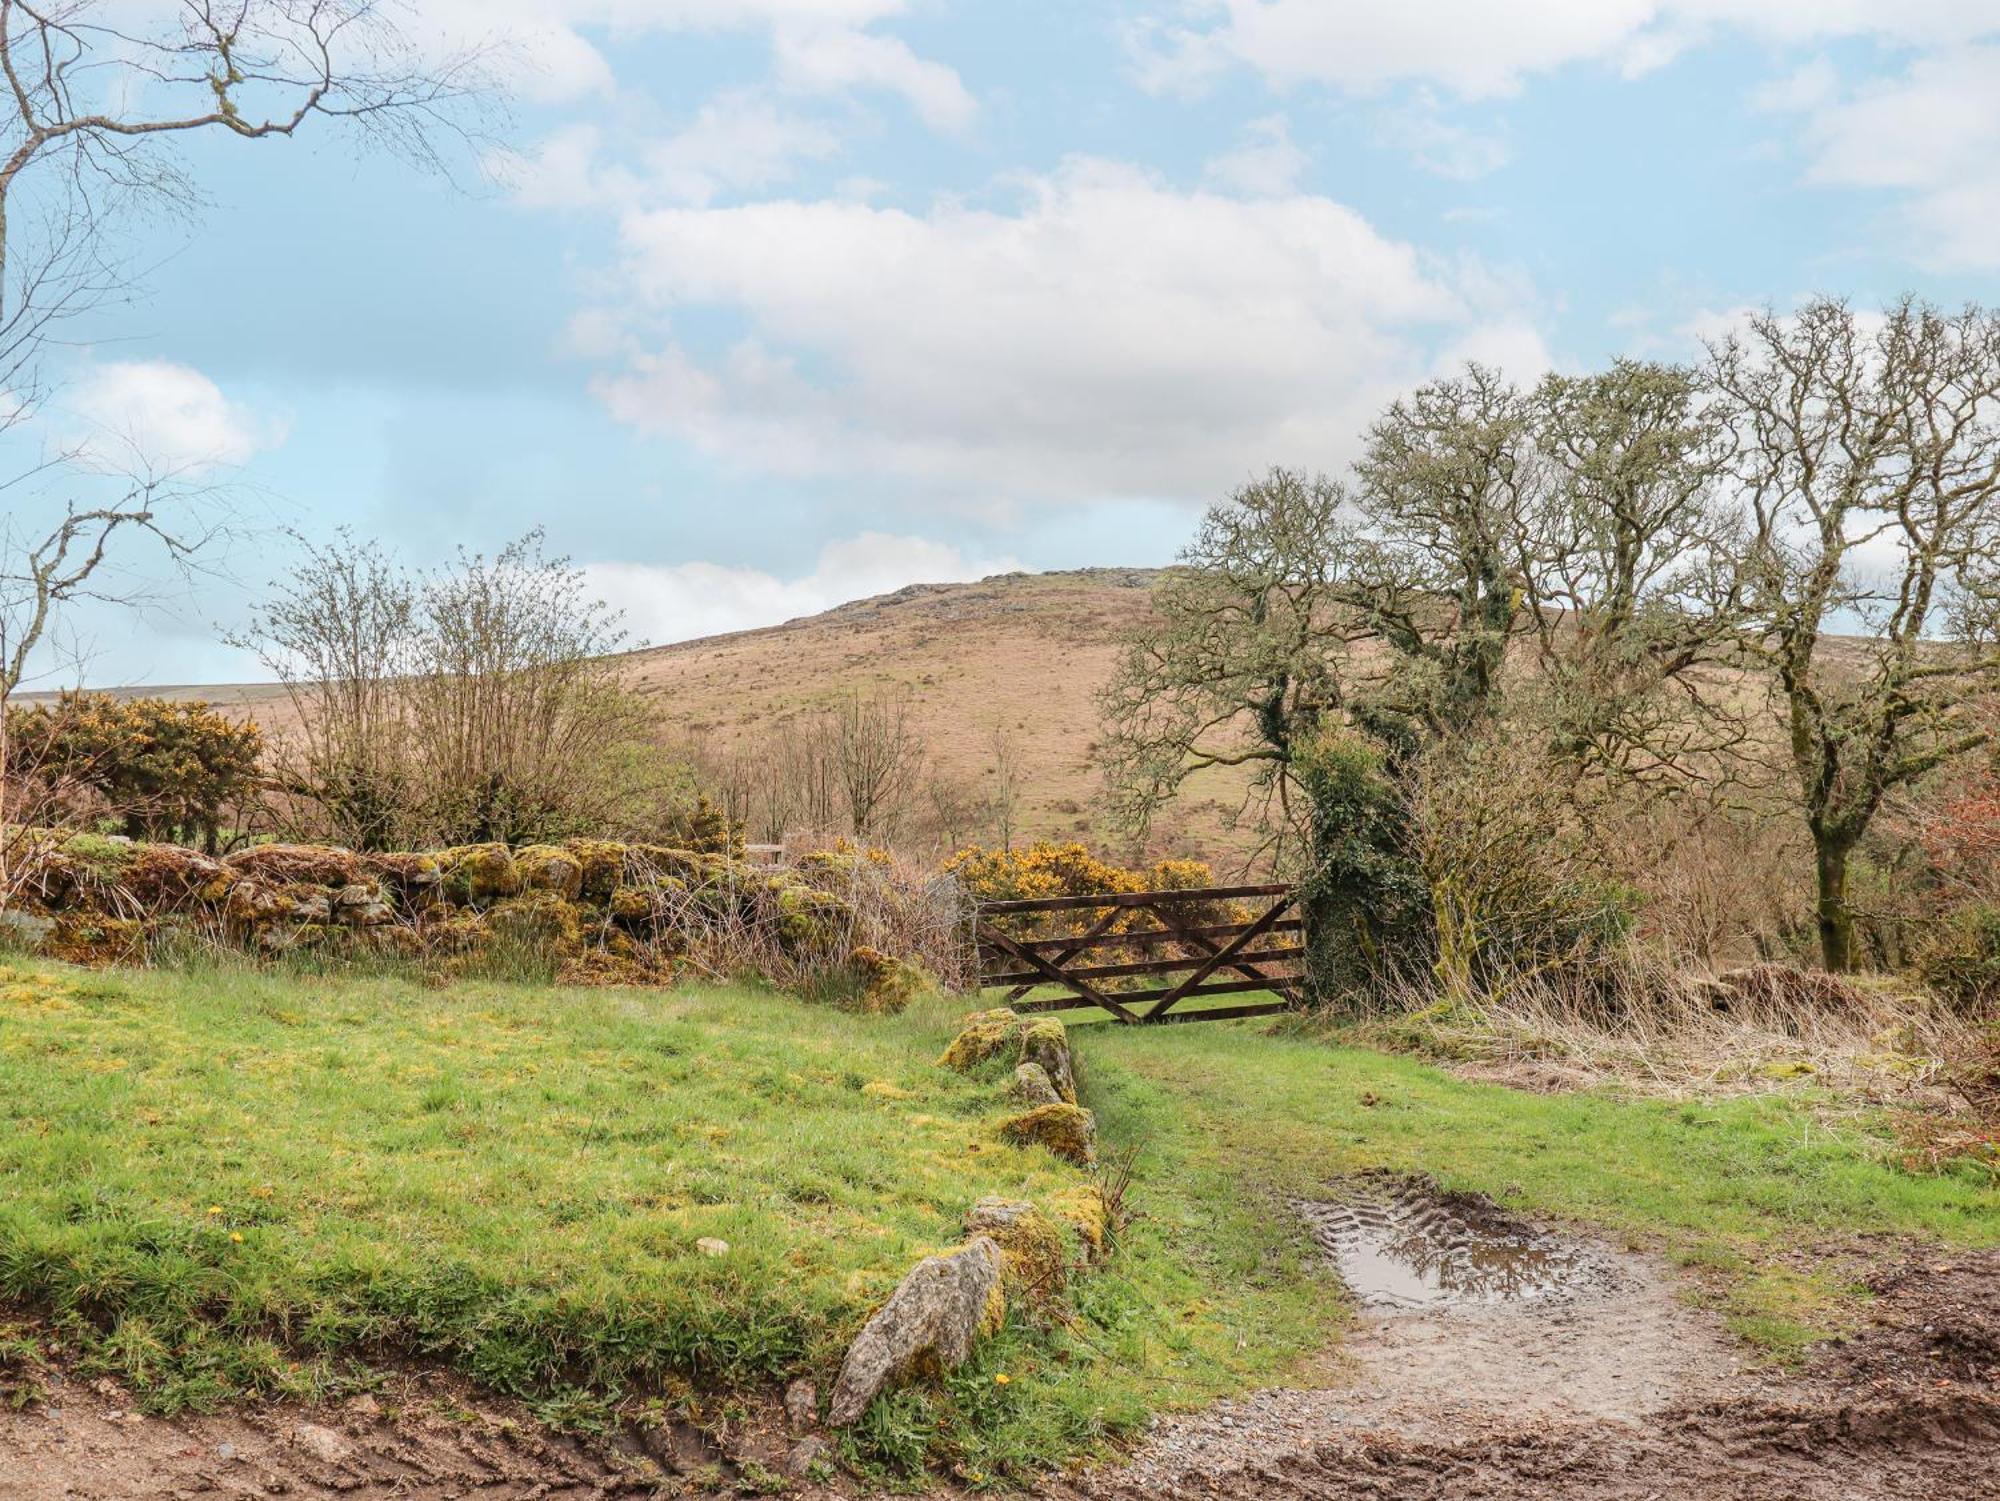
[
  {"x": 930, "y": 1324},
  {"x": 1033, "y": 1086},
  {"x": 1034, "y": 1257},
  {"x": 1046, "y": 1042},
  {"x": 985, "y": 1034},
  {"x": 1067, "y": 1130}
]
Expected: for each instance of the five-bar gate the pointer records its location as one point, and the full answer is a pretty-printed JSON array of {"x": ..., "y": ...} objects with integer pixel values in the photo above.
[{"x": 1167, "y": 933}]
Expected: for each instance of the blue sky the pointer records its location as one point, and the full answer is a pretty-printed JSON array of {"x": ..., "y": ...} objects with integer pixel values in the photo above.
[{"x": 757, "y": 305}]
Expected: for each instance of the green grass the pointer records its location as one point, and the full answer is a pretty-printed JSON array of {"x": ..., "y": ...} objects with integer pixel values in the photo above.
[
  {"x": 225, "y": 1181},
  {"x": 1736, "y": 1188}
]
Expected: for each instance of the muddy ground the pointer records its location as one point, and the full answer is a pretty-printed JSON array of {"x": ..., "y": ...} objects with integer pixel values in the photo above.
[
  {"x": 1497, "y": 1360},
  {"x": 1492, "y": 1359}
]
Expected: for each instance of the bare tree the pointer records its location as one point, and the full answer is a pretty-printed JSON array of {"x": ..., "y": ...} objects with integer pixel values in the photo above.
[
  {"x": 1633, "y": 585},
  {"x": 1249, "y": 651},
  {"x": 879, "y": 756},
  {"x": 1869, "y": 460},
  {"x": 1003, "y": 804},
  {"x": 94, "y": 102}
]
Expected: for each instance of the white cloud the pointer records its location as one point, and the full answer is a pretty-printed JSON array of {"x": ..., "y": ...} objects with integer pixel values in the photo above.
[
  {"x": 1483, "y": 48},
  {"x": 1438, "y": 146},
  {"x": 545, "y": 48},
  {"x": 166, "y": 417},
  {"x": 1110, "y": 335},
  {"x": 1931, "y": 132},
  {"x": 737, "y": 141},
  {"x": 1267, "y": 164},
  {"x": 830, "y": 59},
  {"x": 679, "y": 602}
]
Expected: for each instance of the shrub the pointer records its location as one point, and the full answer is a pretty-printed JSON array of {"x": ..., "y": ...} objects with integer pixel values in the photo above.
[
  {"x": 165, "y": 770},
  {"x": 1961, "y": 960}
]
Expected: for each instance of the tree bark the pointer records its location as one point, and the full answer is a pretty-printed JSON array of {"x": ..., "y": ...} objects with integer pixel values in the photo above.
[{"x": 1836, "y": 920}]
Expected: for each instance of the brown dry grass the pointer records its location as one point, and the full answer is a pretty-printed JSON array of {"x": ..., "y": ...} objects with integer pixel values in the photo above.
[{"x": 1022, "y": 652}]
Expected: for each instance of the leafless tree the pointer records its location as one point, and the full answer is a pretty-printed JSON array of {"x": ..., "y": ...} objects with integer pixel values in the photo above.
[
  {"x": 1869, "y": 461},
  {"x": 96, "y": 96},
  {"x": 880, "y": 756},
  {"x": 1004, "y": 748}
]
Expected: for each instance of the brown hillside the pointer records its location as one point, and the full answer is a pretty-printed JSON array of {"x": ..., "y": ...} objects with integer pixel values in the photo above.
[
  {"x": 1027, "y": 652},
  {"x": 1024, "y": 651}
]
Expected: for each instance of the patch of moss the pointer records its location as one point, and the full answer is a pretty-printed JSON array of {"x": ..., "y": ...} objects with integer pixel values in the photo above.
[
  {"x": 550, "y": 868},
  {"x": 479, "y": 875},
  {"x": 1067, "y": 1130},
  {"x": 985, "y": 1034}
]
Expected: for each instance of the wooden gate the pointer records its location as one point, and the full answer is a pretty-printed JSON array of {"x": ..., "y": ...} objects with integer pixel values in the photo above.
[{"x": 1166, "y": 928}]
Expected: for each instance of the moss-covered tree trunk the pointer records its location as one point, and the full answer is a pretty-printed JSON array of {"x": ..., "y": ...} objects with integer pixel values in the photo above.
[{"x": 1836, "y": 918}]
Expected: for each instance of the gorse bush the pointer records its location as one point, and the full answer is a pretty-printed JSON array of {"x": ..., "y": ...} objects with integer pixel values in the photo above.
[{"x": 160, "y": 769}]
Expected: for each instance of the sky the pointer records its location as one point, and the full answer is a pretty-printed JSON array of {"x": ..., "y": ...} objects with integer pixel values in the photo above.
[{"x": 757, "y": 306}]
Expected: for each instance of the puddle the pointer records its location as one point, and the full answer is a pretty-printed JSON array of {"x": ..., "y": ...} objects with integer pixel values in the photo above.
[{"x": 1401, "y": 1247}]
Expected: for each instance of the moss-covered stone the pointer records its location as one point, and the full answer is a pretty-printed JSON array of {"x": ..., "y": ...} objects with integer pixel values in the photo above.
[
  {"x": 538, "y": 920},
  {"x": 88, "y": 938},
  {"x": 253, "y": 903},
  {"x": 412, "y": 882},
  {"x": 600, "y": 865},
  {"x": 809, "y": 921},
  {"x": 984, "y": 1035},
  {"x": 295, "y": 864},
  {"x": 550, "y": 868},
  {"x": 1067, "y": 1130},
  {"x": 1032, "y": 1085},
  {"x": 1083, "y": 1209},
  {"x": 1045, "y": 1042},
  {"x": 160, "y": 876},
  {"x": 1034, "y": 1255},
  {"x": 888, "y": 984},
  {"x": 478, "y": 875}
]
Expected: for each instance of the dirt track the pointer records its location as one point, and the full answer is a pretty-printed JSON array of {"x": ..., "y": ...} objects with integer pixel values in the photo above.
[
  {"x": 1614, "y": 1389},
  {"x": 1618, "y": 1393}
]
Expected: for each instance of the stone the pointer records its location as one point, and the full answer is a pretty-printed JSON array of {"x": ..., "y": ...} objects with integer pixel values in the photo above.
[
  {"x": 359, "y": 904},
  {"x": 801, "y": 1405},
  {"x": 708, "y": 1245},
  {"x": 296, "y": 864},
  {"x": 479, "y": 874},
  {"x": 26, "y": 930},
  {"x": 1046, "y": 1042},
  {"x": 1034, "y": 1257},
  {"x": 985, "y": 1034},
  {"x": 807, "y": 1455},
  {"x": 1067, "y": 1130},
  {"x": 930, "y": 1322},
  {"x": 322, "y": 1444},
  {"x": 550, "y": 867},
  {"x": 1085, "y": 1211},
  {"x": 1033, "y": 1086}
]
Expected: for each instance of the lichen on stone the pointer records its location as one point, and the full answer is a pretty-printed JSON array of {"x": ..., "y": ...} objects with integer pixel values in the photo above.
[
  {"x": 1067, "y": 1130},
  {"x": 479, "y": 875},
  {"x": 984, "y": 1035}
]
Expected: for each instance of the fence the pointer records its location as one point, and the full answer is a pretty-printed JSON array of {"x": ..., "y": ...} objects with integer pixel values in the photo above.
[{"x": 1211, "y": 958}]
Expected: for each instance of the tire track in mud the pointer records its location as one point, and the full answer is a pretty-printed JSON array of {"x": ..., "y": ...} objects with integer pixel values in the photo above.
[{"x": 1497, "y": 1359}]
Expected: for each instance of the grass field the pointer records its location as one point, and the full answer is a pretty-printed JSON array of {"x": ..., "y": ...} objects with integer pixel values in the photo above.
[{"x": 226, "y": 1181}]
